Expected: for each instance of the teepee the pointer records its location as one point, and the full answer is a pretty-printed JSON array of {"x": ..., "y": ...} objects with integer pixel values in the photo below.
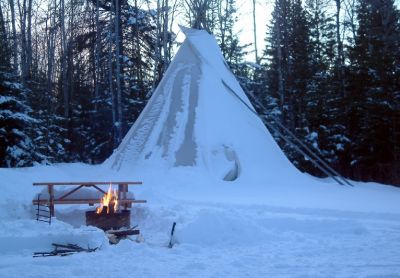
[{"x": 198, "y": 117}]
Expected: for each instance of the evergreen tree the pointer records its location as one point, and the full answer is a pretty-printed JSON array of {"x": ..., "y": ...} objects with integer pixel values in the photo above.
[
  {"x": 288, "y": 68},
  {"x": 374, "y": 87},
  {"x": 49, "y": 137},
  {"x": 5, "y": 57},
  {"x": 16, "y": 125},
  {"x": 325, "y": 130}
]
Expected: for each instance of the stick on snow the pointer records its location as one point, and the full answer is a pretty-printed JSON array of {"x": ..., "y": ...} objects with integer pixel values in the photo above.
[{"x": 63, "y": 250}]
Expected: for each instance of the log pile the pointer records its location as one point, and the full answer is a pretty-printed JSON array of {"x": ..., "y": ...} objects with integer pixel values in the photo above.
[{"x": 114, "y": 236}]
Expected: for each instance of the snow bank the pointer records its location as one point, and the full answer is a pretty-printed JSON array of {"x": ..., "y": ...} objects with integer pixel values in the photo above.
[
  {"x": 28, "y": 236},
  {"x": 18, "y": 192},
  {"x": 223, "y": 228}
]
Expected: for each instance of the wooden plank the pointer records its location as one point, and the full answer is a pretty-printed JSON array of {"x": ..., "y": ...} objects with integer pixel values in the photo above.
[
  {"x": 84, "y": 201},
  {"x": 89, "y": 183}
]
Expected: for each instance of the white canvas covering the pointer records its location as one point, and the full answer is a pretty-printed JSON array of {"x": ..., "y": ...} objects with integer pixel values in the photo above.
[{"x": 193, "y": 119}]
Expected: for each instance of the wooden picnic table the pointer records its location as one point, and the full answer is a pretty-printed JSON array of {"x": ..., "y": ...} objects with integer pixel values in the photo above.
[{"x": 122, "y": 190}]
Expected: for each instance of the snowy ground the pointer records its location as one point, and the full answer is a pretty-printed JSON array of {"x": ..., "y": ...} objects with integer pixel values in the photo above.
[
  {"x": 221, "y": 231},
  {"x": 208, "y": 164}
]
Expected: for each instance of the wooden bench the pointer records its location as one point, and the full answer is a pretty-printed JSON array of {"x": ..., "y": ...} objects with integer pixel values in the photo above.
[{"x": 122, "y": 190}]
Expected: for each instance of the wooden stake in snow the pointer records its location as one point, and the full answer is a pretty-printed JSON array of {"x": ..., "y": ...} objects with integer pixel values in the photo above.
[{"x": 171, "y": 243}]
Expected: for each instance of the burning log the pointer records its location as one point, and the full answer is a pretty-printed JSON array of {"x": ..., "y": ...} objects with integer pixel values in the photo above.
[
  {"x": 111, "y": 219},
  {"x": 109, "y": 200},
  {"x": 108, "y": 216}
]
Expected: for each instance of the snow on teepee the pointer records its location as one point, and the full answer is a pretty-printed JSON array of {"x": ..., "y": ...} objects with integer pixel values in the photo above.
[{"x": 196, "y": 119}]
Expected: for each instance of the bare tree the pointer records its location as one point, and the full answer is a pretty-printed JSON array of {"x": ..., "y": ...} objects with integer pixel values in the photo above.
[
  {"x": 118, "y": 53},
  {"x": 64, "y": 52},
  {"x": 351, "y": 16},
  {"x": 14, "y": 35},
  {"x": 255, "y": 32},
  {"x": 197, "y": 13},
  {"x": 4, "y": 43},
  {"x": 29, "y": 40},
  {"x": 281, "y": 79},
  {"x": 97, "y": 55},
  {"x": 163, "y": 46},
  {"x": 165, "y": 34},
  {"x": 22, "y": 19},
  {"x": 173, "y": 12},
  {"x": 340, "y": 55},
  {"x": 51, "y": 31},
  {"x": 111, "y": 86}
]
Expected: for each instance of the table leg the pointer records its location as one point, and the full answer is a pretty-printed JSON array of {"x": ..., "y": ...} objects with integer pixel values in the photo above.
[
  {"x": 122, "y": 189},
  {"x": 124, "y": 194},
  {"x": 51, "y": 194}
]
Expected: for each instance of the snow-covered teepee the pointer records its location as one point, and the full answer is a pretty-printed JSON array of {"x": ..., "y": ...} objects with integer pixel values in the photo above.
[{"x": 198, "y": 117}]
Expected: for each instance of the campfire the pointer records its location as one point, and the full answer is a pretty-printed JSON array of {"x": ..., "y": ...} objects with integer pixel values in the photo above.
[
  {"x": 109, "y": 215},
  {"x": 109, "y": 200},
  {"x": 113, "y": 214}
]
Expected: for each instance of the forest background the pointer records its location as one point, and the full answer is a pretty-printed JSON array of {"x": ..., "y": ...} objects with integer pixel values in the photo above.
[{"x": 75, "y": 74}]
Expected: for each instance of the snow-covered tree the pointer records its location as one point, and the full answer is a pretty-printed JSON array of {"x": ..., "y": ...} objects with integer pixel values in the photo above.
[{"x": 17, "y": 146}]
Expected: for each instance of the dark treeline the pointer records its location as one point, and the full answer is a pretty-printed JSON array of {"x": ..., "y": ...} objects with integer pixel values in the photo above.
[
  {"x": 75, "y": 74},
  {"x": 333, "y": 77}
]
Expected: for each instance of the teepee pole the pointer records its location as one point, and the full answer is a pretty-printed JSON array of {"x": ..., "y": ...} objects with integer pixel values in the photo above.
[
  {"x": 287, "y": 140},
  {"x": 315, "y": 159},
  {"x": 314, "y": 155},
  {"x": 297, "y": 140}
]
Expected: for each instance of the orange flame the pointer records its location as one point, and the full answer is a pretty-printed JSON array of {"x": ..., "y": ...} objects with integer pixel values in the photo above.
[{"x": 108, "y": 199}]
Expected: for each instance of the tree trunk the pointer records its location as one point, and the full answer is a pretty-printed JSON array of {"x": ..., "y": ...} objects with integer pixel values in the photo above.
[
  {"x": 5, "y": 57},
  {"x": 157, "y": 59},
  {"x": 29, "y": 42},
  {"x": 118, "y": 69},
  {"x": 64, "y": 61},
  {"x": 111, "y": 86},
  {"x": 35, "y": 46},
  {"x": 14, "y": 36},
  {"x": 255, "y": 32},
  {"x": 350, "y": 8},
  {"x": 97, "y": 57},
  {"x": 69, "y": 76},
  {"x": 3, "y": 27},
  {"x": 171, "y": 23},
  {"x": 51, "y": 47},
  {"x": 339, "y": 60},
  {"x": 22, "y": 16},
  {"x": 165, "y": 36},
  {"x": 139, "y": 71},
  {"x": 281, "y": 82}
]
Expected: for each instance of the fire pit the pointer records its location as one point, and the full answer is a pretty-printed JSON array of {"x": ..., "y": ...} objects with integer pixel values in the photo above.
[
  {"x": 109, "y": 216},
  {"x": 107, "y": 221}
]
